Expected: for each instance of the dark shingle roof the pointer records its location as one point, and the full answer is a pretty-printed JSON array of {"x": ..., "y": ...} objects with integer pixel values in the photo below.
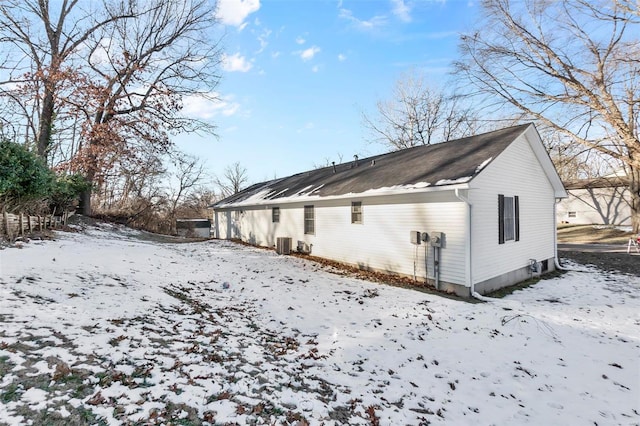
[{"x": 456, "y": 161}]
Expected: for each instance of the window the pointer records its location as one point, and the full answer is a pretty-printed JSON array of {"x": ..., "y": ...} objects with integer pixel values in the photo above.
[
  {"x": 572, "y": 214},
  {"x": 275, "y": 214},
  {"x": 356, "y": 212},
  {"x": 309, "y": 220},
  {"x": 508, "y": 219}
]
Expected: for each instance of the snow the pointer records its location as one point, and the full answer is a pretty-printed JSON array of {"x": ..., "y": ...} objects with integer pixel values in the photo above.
[
  {"x": 151, "y": 334},
  {"x": 266, "y": 196},
  {"x": 459, "y": 180},
  {"x": 483, "y": 165}
]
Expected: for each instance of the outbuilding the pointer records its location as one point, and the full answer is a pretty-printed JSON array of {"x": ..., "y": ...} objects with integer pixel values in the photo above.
[
  {"x": 193, "y": 228},
  {"x": 600, "y": 201},
  {"x": 469, "y": 215}
]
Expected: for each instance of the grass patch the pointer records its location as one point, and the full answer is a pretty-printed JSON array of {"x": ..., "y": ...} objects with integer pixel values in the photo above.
[
  {"x": 11, "y": 393},
  {"x": 505, "y": 291},
  {"x": 592, "y": 234}
]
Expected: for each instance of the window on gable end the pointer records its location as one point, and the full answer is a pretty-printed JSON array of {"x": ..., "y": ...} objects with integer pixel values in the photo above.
[{"x": 508, "y": 218}]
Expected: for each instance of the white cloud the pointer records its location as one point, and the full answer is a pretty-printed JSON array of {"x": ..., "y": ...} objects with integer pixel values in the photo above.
[
  {"x": 274, "y": 55},
  {"x": 315, "y": 68},
  {"x": 401, "y": 10},
  {"x": 235, "y": 62},
  {"x": 210, "y": 107},
  {"x": 309, "y": 53},
  {"x": 234, "y": 12},
  {"x": 342, "y": 57},
  {"x": 300, "y": 40},
  {"x": 263, "y": 39},
  {"x": 375, "y": 22}
]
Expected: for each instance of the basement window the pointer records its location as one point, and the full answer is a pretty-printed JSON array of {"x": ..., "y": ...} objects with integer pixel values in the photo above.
[
  {"x": 275, "y": 214},
  {"x": 508, "y": 219},
  {"x": 309, "y": 220},
  {"x": 356, "y": 212}
]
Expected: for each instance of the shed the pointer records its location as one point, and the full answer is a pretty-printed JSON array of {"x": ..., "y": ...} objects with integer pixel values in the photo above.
[
  {"x": 193, "y": 228},
  {"x": 469, "y": 215}
]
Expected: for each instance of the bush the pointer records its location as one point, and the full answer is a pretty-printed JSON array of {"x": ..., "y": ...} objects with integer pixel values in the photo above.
[
  {"x": 66, "y": 190},
  {"x": 24, "y": 178},
  {"x": 27, "y": 184}
]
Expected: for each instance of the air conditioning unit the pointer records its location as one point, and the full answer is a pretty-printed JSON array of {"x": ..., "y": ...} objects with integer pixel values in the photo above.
[
  {"x": 283, "y": 245},
  {"x": 303, "y": 247}
]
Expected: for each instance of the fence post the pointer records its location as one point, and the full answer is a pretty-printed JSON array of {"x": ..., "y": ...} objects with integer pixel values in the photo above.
[
  {"x": 6, "y": 225},
  {"x": 39, "y": 223},
  {"x": 21, "y": 224}
]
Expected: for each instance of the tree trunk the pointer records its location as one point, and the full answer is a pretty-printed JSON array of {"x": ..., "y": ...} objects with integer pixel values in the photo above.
[
  {"x": 46, "y": 123},
  {"x": 85, "y": 202},
  {"x": 634, "y": 190},
  {"x": 85, "y": 196}
]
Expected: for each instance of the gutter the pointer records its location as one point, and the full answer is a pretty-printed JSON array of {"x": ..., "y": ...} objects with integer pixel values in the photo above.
[{"x": 468, "y": 269}]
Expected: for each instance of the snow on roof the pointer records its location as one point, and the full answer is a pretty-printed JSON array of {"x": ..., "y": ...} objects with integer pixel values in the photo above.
[{"x": 427, "y": 168}]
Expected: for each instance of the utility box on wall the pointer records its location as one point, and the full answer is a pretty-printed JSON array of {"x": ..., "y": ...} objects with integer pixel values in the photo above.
[
  {"x": 415, "y": 237},
  {"x": 436, "y": 239}
]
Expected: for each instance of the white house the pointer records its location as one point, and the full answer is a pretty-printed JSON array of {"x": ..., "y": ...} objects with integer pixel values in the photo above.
[
  {"x": 603, "y": 201},
  {"x": 470, "y": 215}
]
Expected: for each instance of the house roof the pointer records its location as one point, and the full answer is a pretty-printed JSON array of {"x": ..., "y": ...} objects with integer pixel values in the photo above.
[
  {"x": 599, "y": 182},
  {"x": 438, "y": 166}
]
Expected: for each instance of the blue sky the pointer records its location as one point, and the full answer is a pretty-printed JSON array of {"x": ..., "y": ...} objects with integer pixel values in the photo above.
[{"x": 297, "y": 76}]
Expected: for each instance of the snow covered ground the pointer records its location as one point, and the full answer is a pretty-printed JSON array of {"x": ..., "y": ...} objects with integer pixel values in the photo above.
[{"x": 107, "y": 327}]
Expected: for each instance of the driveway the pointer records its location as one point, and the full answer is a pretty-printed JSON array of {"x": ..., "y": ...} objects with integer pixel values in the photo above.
[{"x": 596, "y": 248}]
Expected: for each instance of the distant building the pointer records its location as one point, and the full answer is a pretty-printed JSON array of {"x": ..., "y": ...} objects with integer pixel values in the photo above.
[
  {"x": 601, "y": 201},
  {"x": 193, "y": 228},
  {"x": 470, "y": 215}
]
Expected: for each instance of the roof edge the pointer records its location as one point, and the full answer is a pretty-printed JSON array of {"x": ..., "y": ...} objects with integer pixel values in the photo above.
[{"x": 367, "y": 194}]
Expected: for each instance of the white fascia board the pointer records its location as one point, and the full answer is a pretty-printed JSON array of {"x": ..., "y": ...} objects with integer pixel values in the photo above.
[
  {"x": 535, "y": 142},
  {"x": 359, "y": 195}
]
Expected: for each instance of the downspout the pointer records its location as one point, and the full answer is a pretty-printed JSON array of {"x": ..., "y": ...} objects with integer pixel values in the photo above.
[
  {"x": 555, "y": 235},
  {"x": 469, "y": 270}
]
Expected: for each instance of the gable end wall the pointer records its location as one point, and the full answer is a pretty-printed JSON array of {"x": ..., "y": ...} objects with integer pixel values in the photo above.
[{"x": 515, "y": 172}]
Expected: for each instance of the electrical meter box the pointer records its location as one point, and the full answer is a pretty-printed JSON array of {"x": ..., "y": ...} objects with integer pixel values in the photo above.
[
  {"x": 415, "y": 237},
  {"x": 436, "y": 239}
]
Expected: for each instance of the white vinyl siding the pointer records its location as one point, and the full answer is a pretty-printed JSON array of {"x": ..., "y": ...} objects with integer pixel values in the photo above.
[
  {"x": 606, "y": 206},
  {"x": 515, "y": 171},
  {"x": 381, "y": 242}
]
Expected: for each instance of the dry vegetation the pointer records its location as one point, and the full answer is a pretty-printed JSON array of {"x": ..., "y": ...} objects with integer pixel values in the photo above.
[{"x": 593, "y": 234}]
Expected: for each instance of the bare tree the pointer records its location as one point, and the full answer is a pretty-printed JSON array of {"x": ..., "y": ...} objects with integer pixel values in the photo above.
[
  {"x": 233, "y": 180},
  {"x": 572, "y": 65},
  {"x": 418, "y": 114},
  {"x": 115, "y": 78},
  {"x": 43, "y": 45},
  {"x": 187, "y": 178},
  {"x": 144, "y": 71}
]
